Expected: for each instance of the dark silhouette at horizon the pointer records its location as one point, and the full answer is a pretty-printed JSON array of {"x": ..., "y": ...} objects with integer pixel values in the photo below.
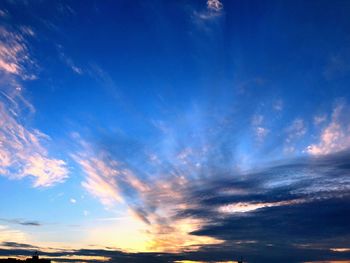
[{"x": 34, "y": 259}]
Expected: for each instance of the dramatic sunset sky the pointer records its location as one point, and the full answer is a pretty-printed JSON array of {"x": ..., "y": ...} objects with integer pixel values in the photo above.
[{"x": 175, "y": 130}]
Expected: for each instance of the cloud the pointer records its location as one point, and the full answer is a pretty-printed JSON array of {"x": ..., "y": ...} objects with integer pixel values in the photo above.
[
  {"x": 192, "y": 198},
  {"x": 14, "y": 52},
  {"x": 3, "y": 13},
  {"x": 7, "y": 233},
  {"x": 285, "y": 206},
  {"x": 278, "y": 105},
  {"x": 319, "y": 119},
  {"x": 22, "y": 151},
  {"x": 21, "y": 222},
  {"x": 18, "y": 245},
  {"x": 213, "y": 10},
  {"x": 101, "y": 180},
  {"x": 69, "y": 62},
  {"x": 338, "y": 65},
  {"x": 150, "y": 201},
  {"x": 214, "y": 5},
  {"x": 260, "y": 131},
  {"x": 23, "y": 250},
  {"x": 294, "y": 132},
  {"x": 335, "y": 136}
]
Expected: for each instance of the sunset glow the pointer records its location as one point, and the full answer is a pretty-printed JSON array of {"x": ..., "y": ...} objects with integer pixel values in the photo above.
[{"x": 175, "y": 131}]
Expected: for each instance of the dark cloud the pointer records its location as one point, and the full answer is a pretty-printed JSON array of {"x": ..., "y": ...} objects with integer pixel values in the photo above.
[
  {"x": 306, "y": 211},
  {"x": 17, "y": 245},
  {"x": 304, "y": 206},
  {"x": 114, "y": 255},
  {"x": 305, "y": 217},
  {"x": 250, "y": 252},
  {"x": 21, "y": 222}
]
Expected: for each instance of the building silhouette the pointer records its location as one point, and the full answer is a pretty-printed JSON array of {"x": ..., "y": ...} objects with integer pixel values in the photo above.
[{"x": 34, "y": 259}]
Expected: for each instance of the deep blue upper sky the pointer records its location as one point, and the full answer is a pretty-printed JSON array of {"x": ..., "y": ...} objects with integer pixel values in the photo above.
[{"x": 176, "y": 126}]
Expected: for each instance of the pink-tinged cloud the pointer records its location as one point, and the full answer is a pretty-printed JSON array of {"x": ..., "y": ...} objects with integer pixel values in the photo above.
[
  {"x": 215, "y": 5},
  {"x": 335, "y": 136},
  {"x": 22, "y": 150},
  {"x": 100, "y": 180},
  {"x": 103, "y": 179},
  {"x": 14, "y": 52},
  {"x": 153, "y": 202}
]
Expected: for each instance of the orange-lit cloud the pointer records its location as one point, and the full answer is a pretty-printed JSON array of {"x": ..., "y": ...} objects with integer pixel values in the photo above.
[
  {"x": 7, "y": 233},
  {"x": 152, "y": 207}
]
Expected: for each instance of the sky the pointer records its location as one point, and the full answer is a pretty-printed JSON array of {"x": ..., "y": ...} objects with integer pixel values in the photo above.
[{"x": 175, "y": 131}]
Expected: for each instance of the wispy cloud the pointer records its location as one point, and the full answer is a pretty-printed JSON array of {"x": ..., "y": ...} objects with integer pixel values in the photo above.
[
  {"x": 152, "y": 201},
  {"x": 258, "y": 126},
  {"x": 182, "y": 193},
  {"x": 335, "y": 136},
  {"x": 22, "y": 151},
  {"x": 101, "y": 180},
  {"x": 21, "y": 222},
  {"x": 214, "y": 5},
  {"x": 7, "y": 233},
  {"x": 14, "y": 53},
  {"x": 69, "y": 61},
  {"x": 294, "y": 132},
  {"x": 213, "y": 10}
]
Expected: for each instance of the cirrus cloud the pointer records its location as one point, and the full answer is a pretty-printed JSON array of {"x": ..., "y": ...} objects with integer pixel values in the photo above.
[{"x": 22, "y": 149}]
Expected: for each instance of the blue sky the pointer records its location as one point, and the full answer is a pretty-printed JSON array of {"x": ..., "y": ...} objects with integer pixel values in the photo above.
[{"x": 188, "y": 130}]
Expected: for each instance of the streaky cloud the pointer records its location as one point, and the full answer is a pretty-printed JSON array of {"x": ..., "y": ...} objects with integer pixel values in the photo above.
[{"x": 23, "y": 152}]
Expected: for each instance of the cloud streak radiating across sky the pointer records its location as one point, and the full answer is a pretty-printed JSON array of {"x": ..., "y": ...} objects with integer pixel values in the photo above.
[
  {"x": 175, "y": 131},
  {"x": 235, "y": 207},
  {"x": 195, "y": 187},
  {"x": 22, "y": 152}
]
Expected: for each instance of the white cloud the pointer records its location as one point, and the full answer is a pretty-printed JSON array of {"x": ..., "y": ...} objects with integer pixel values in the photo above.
[
  {"x": 104, "y": 178},
  {"x": 214, "y": 5},
  {"x": 260, "y": 131},
  {"x": 22, "y": 151},
  {"x": 23, "y": 154},
  {"x": 214, "y": 8},
  {"x": 242, "y": 207},
  {"x": 73, "y": 201},
  {"x": 335, "y": 136}
]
